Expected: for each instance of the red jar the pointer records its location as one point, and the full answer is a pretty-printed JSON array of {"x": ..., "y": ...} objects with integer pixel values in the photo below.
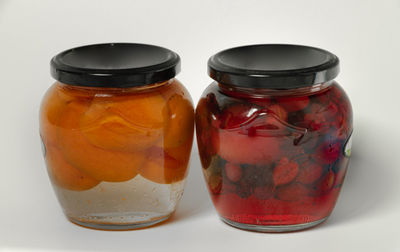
[{"x": 273, "y": 133}]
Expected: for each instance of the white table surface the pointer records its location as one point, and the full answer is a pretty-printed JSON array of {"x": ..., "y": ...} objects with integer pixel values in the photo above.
[{"x": 364, "y": 34}]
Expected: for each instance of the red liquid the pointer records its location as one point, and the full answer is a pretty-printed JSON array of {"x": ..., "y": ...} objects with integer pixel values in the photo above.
[{"x": 274, "y": 160}]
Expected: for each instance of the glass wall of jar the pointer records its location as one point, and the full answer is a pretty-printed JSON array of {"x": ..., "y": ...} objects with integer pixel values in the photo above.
[
  {"x": 273, "y": 134},
  {"x": 117, "y": 131}
]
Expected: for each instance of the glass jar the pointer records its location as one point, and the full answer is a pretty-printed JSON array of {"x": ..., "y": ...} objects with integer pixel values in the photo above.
[
  {"x": 117, "y": 132},
  {"x": 273, "y": 133}
]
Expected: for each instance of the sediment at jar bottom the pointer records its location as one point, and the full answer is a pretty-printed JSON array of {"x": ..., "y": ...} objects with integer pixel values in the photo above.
[{"x": 134, "y": 202}]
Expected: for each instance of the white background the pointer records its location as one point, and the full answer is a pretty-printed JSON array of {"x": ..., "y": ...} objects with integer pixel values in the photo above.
[{"x": 364, "y": 34}]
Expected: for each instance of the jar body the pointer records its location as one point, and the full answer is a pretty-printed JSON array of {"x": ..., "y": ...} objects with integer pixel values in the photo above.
[
  {"x": 117, "y": 157},
  {"x": 274, "y": 160}
]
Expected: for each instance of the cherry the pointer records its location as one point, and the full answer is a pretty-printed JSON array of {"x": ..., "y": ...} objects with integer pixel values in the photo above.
[
  {"x": 285, "y": 171},
  {"x": 293, "y": 103},
  {"x": 326, "y": 182},
  {"x": 327, "y": 152},
  {"x": 309, "y": 172},
  {"x": 233, "y": 172},
  {"x": 292, "y": 192}
]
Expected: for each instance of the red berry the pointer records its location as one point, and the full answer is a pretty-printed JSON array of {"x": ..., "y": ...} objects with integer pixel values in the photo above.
[
  {"x": 337, "y": 91},
  {"x": 292, "y": 104},
  {"x": 327, "y": 152},
  {"x": 285, "y": 171},
  {"x": 326, "y": 182},
  {"x": 233, "y": 172},
  {"x": 309, "y": 173},
  {"x": 292, "y": 192}
]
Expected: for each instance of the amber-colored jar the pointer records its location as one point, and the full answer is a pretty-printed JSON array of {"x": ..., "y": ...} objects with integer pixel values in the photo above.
[
  {"x": 273, "y": 132},
  {"x": 117, "y": 132}
]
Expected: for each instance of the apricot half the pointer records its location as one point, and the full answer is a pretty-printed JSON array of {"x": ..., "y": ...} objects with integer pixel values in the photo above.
[
  {"x": 182, "y": 152},
  {"x": 162, "y": 168},
  {"x": 64, "y": 174},
  {"x": 124, "y": 123},
  {"x": 50, "y": 111},
  {"x": 181, "y": 121},
  {"x": 101, "y": 164}
]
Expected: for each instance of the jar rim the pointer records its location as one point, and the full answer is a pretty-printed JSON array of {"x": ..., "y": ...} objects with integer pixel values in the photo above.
[
  {"x": 112, "y": 65},
  {"x": 273, "y": 66}
]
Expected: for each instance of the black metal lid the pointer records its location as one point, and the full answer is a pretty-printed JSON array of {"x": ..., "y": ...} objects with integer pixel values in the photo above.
[
  {"x": 273, "y": 66},
  {"x": 115, "y": 65}
]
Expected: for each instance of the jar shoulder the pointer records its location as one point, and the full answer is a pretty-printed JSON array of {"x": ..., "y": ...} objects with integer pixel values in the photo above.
[{"x": 319, "y": 110}]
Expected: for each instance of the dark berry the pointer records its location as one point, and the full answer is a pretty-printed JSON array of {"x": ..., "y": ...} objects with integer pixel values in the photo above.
[
  {"x": 264, "y": 192},
  {"x": 243, "y": 190}
]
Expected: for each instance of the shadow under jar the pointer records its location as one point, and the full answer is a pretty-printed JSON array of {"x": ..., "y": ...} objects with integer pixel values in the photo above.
[
  {"x": 117, "y": 132},
  {"x": 273, "y": 134}
]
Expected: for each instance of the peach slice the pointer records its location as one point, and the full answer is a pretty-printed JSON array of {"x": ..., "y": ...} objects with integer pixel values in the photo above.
[
  {"x": 181, "y": 121},
  {"x": 112, "y": 166},
  {"x": 125, "y": 123},
  {"x": 162, "y": 168},
  {"x": 64, "y": 174}
]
